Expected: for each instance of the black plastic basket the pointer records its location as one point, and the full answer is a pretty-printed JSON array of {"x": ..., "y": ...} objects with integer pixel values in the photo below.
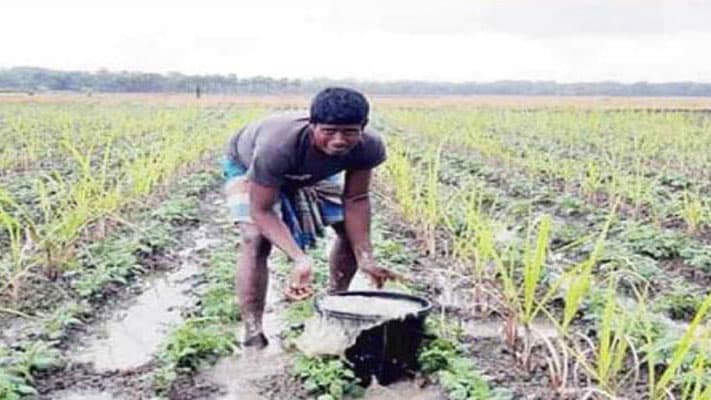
[{"x": 389, "y": 350}]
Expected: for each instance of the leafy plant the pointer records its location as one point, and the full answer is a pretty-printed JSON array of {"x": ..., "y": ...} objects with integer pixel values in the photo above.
[
  {"x": 179, "y": 210},
  {"x": 65, "y": 316},
  {"x": 299, "y": 311},
  {"x": 326, "y": 378},
  {"x": 195, "y": 341},
  {"x": 462, "y": 382},
  {"x": 111, "y": 261},
  {"x": 682, "y": 349},
  {"x": 14, "y": 387},
  {"x": 437, "y": 355}
]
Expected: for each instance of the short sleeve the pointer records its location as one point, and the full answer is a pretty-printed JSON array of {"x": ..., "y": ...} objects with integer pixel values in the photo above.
[{"x": 373, "y": 153}]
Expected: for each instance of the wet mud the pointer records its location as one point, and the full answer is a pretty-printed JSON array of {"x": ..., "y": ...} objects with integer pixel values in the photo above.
[{"x": 113, "y": 357}]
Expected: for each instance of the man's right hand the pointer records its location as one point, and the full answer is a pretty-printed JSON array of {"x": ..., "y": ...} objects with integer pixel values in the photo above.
[{"x": 300, "y": 286}]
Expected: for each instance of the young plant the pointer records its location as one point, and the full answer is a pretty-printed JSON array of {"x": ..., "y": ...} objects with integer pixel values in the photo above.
[
  {"x": 692, "y": 211},
  {"x": 685, "y": 344},
  {"x": 607, "y": 357},
  {"x": 326, "y": 378},
  {"x": 521, "y": 301}
]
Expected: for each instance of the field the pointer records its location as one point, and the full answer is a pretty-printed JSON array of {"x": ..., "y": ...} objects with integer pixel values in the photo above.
[{"x": 565, "y": 242}]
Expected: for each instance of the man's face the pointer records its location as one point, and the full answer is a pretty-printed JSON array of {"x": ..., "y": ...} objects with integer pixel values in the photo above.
[{"x": 336, "y": 139}]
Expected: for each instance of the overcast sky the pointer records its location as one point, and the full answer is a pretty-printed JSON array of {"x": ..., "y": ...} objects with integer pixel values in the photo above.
[{"x": 454, "y": 40}]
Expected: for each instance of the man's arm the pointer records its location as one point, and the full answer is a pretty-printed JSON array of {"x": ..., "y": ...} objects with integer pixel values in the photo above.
[
  {"x": 262, "y": 200},
  {"x": 356, "y": 204}
]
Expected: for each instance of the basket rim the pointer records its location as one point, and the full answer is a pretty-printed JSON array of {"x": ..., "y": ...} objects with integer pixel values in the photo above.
[{"x": 426, "y": 305}]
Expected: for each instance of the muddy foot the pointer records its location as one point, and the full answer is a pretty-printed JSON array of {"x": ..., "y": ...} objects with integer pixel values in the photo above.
[{"x": 258, "y": 341}]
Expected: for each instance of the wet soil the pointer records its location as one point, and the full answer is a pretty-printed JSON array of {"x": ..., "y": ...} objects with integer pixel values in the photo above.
[
  {"x": 114, "y": 355},
  {"x": 237, "y": 376},
  {"x": 481, "y": 332}
]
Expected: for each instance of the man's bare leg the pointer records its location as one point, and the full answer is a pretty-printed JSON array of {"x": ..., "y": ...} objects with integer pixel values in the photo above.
[
  {"x": 252, "y": 278},
  {"x": 342, "y": 261}
]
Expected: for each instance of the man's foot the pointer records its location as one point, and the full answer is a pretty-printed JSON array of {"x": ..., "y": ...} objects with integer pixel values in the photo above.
[{"x": 258, "y": 341}]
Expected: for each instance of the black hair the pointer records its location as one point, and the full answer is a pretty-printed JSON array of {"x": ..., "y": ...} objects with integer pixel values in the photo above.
[{"x": 338, "y": 105}]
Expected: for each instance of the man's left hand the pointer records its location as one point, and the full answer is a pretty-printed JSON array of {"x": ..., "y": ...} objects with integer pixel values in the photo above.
[{"x": 378, "y": 275}]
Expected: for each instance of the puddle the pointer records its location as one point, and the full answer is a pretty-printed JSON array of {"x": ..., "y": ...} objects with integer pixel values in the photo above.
[
  {"x": 14, "y": 329},
  {"x": 505, "y": 236},
  {"x": 81, "y": 395},
  {"x": 133, "y": 334},
  {"x": 201, "y": 240},
  {"x": 330, "y": 336},
  {"x": 402, "y": 390},
  {"x": 451, "y": 295},
  {"x": 237, "y": 374},
  {"x": 675, "y": 327}
]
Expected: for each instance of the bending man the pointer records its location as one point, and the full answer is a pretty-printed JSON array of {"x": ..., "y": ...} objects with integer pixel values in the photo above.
[{"x": 284, "y": 184}]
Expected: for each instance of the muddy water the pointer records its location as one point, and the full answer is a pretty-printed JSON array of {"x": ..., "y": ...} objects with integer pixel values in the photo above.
[
  {"x": 237, "y": 374},
  {"x": 333, "y": 336},
  {"x": 402, "y": 390},
  {"x": 131, "y": 336},
  {"x": 360, "y": 282},
  {"x": 330, "y": 336},
  {"x": 17, "y": 328},
  {"x": 81, "y": 395},
  {"x": 240, "y": 375}
]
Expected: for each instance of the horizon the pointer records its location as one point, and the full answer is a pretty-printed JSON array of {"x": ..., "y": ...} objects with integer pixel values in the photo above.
[{"x": 356, "y": 80}]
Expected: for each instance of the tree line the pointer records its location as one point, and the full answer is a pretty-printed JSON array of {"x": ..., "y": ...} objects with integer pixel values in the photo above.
[{"x": 33, "y": 80}]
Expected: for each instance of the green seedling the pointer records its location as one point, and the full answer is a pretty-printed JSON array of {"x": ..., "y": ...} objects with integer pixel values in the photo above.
[{"x": 326, "y": 378}]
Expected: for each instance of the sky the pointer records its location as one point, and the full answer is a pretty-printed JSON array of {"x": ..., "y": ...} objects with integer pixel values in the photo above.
[{"x": 436, "y": 40}]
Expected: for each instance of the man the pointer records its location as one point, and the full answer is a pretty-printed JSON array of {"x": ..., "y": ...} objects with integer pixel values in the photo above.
[{"x": 280, "y": 171}]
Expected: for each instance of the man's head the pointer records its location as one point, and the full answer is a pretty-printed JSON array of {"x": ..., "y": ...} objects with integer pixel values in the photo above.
[{"x": 338, "y": 116}]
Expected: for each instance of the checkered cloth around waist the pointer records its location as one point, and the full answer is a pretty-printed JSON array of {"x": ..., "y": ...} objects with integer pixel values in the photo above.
[{"x": 306, "y": 211}]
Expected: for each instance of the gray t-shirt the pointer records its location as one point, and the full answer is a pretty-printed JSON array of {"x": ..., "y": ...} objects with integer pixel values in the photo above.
[{"x": 277, "y": 152}]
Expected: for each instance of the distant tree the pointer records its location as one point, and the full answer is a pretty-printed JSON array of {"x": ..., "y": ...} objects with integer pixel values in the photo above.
[{"x": 32, "y": 79}]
